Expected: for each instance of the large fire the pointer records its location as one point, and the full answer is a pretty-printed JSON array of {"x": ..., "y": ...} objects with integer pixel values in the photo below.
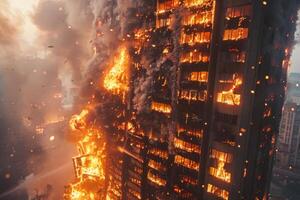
[
  {"x": 89, "y": 164},
  {"x": 116, "y": 80}
]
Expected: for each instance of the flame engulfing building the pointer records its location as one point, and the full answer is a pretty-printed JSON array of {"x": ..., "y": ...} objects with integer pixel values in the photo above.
[{"x": 192, "y": 102}]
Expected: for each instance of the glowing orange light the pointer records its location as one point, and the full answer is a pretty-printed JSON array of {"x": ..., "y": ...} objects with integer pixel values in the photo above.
[
  {"x": 220, "y": 172},
  {"x": 229, "y": 97},
  {"x": 89, "y": 164},
  {"x": 192, "y": 3},
  {"x": 78, "y": 121},
  {"x": 223, "y": 194},
  {"x": 161, "y": 107},
  {"x": 116, "y": 80}
]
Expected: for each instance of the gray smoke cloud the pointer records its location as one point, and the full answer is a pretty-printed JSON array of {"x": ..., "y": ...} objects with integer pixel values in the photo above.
[
  {"x": 295, "y": 67},
  {"x": 109, "y": 26},
  {"x": 38, "y": 81},
  {"x": 74, "y": 43}
]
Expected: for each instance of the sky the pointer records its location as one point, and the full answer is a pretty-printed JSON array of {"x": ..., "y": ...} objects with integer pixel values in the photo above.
[
  {"x": 35, "y": 83},
  {"x": 24, "y": 8},
  {"x": 295, "y": 59}
]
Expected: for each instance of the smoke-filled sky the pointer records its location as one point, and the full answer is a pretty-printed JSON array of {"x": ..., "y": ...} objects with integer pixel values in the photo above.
[
  {"x": 295, "y": 60},
  {"x": 44, "y": 48}
]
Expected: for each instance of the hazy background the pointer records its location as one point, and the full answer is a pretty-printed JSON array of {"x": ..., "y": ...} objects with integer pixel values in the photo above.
[
  {"x": 295, "y": 60},
  {"x": 44, "y": 48}
]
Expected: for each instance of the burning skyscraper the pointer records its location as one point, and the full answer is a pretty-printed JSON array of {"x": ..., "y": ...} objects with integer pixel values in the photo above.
[{"x": 189, "y": 105}]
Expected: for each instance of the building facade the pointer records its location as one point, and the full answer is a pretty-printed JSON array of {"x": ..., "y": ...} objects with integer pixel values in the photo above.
[
  {"x": 206, "y": 89},
  {"x": 288, "y": 155},
  {"x": 293, "y": 89}
]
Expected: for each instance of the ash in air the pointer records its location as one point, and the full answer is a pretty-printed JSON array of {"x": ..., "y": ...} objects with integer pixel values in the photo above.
[{"x": 142, "y": 99}]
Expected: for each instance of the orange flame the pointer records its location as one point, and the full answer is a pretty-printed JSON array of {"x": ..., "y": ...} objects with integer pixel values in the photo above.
[
  {"x": 116, "y": 80},
  {"x": 229, "y": 97},
  {"x": 89, "y": 164},
  {"x": 77, "y": 122}
]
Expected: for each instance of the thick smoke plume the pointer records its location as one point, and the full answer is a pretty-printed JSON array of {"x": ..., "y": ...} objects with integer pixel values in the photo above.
[
  {"x": 69, "y": 50},
  {"x": 39, "y": 79}
]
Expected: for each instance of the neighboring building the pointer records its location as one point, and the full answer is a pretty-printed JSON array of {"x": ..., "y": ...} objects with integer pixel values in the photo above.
[
  {"x": 286, "y": 173},
  {"x": 288, "y": 155},
  {"x": 293, "y": 88},
  {"x": 201, "y": 117}
]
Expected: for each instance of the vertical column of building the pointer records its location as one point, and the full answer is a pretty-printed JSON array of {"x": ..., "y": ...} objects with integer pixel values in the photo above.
[
  {"x": 115, "y": 142},
  {"x": 196, "y": 29},
  {"x": 226, "y": 114},
  {"x": 158, "y": 157},
  {"x": 114, "y": 176},
  {"x": 248, "y": 100},
  {"x": 275, "y": 25},
  {"x": 134, "y": 162},
  {"x": 140, "y": 23}
]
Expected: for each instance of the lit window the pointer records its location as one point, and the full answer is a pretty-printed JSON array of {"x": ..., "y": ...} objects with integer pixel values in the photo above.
[
  {"x": 185, "y": 162},
  {"x": 191, "y": 3},
  {"x": 136, "y": 181},
  {"x": 220, "y": 172},
  {"x": 156, "y": 179},
  {"x": 242, "y": 11},
  {"x": 186, "y": 146},
  {"x": 221, "y": 193},
  {"x": 167, "y": 5},
  {"x": 161, "y": 107},
  {"x": 185, "y": 94},
  {"x": 235, "y": 34},
  {"x": 202, "y": 95},
  {"x": 165, "y": 22},
  {"x": 194, "y": 56},
  {"x": 222, "y": 156},
  {"x": 198, "y": 76},
  {"x": 229, "y": 96},
  {"x": 194, "y": 76},
  {"x": 135, "y": 193},
  {"x": 195, "y": 38},
  {"x": 198, "y": 133},
  {"x": 204, "y": 18},
  {"x": 156, "y": 165},
  {"x": 159, "y": 153},
  {"x": 193, "y": 95}
]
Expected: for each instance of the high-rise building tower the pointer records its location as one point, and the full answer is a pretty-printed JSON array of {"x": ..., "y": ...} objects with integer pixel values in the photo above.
[{"x": 206, "y": 88}]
